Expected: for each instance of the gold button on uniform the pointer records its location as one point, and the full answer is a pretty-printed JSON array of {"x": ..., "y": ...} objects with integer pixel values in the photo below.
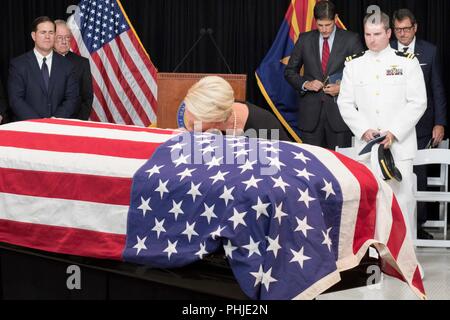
[{"x": 377, "y": 93}]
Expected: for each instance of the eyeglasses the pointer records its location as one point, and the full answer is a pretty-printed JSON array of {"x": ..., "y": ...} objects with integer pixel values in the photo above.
[
  {"x": 405, "y": 29},
  {"x": 61, "y": 38}
]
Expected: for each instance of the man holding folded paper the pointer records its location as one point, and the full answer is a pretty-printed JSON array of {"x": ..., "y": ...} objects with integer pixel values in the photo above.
[
  {"x": 322, "y": 54},
  {"x": 383, "y": 93}
]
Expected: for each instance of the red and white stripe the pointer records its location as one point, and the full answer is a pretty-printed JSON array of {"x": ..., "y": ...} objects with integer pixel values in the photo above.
[
  {"x": 64, "y": 183},
  {"x": 370, "y": 216},
  {"x": 124, "y": 80}
]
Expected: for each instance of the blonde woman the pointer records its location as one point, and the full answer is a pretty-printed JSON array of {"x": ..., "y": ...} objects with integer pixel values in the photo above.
[{"x": 210, "y": 105}]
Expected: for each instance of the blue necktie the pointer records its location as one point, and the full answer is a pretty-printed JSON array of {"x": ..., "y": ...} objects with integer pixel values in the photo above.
[{"x": 44, "y": 71}]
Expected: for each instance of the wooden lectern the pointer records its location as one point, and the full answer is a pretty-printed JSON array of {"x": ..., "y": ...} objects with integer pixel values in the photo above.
[{"x": 172, "y": 88}]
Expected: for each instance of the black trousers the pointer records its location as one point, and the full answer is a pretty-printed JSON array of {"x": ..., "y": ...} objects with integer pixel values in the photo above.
[{"x": 324, "y": 135}]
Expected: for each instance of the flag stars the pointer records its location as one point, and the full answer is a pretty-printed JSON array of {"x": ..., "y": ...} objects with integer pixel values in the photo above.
[
  {"x": 275, "y": 162},
  {"x": 219, "y": 176},
  {"x": 215, "y": 162},
  {"x": 252, "y": 247},
  {"x": 217, "y": 232},
  {"x": 140, "y": 245},
  {"x": 194, "y": 192},
  {"x": 304, "y": 173},
  {"x": 182, "y": 159},
  {"x": 248, "y": 165},
  {"x": 177, "y": 146},
  {"x": 159, "y": 227},
  {"x": 328, "y": 188},
  {"x": 327, "y": 239},
  {"x": 190, "y": 231},
  {"x": 209, "y": 212},
  {"x": 258, "y": 275},
  {"x": 302, "y": 225},
  {"x": 171, "y": 248},
  {"x": 304, "y": 197},
  {"x": 279, "y": 214},
  {"x": 279, "y": 183},
  {"x": 202, "y": 251},
  {"x": 186, "y": 173},
  {"x": 301, "y": 156},
  {"x": 176, "y": 209},
  {"x": 145, "y": 206},
  {"x": 261, "y": 208},
  {"x": 227, "y": 195},
  {"x": 154, "y": 170},
  {"x": 229, "y": 248},
  {"x": 162, "y": 188},
  {"x": 274, "y": 245},
  {"x": 238, "y": 218},
  {"x": 299, "y": 256},
  {"x": 252, "y": 182},
  {"x": 267, "y": 278},
  {"x": 208, "y": 149}
]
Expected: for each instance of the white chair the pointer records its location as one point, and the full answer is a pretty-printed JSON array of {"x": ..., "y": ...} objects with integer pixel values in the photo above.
[{"x": 440, "y": 155}]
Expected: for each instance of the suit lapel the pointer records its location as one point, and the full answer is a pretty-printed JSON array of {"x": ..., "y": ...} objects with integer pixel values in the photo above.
[
  {"x": 53, "y": 73},
  {"x": 337, "y": 45},
  {"x": 35, "y": 70},
  {"x": 316, "y": 51}
]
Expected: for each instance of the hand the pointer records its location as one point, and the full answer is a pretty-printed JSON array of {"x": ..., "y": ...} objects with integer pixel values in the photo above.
[
  {"x": 438, "y": 134},
  {"x": 1, "y": 118},
  {"x": 314, "y": 85},
  {"x": 388, "y": 140},
  {"x": 369, "y": 135},
  {"x": 332, "y": 89}
]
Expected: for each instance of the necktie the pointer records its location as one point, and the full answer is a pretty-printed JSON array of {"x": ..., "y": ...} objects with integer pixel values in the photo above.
[
  {"x": 405, "y": 49},
  {"x": 44, "y": 71},
  {"x": 325, "y": 55}
]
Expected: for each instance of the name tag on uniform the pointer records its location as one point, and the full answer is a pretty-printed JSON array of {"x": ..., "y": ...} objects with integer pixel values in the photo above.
[
  {"x": 423, "y": 64},
  {"x": 394, "y": 71}
]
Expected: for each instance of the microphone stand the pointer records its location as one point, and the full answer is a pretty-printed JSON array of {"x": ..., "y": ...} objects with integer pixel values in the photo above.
[
  {"x": 202, "y": 33},
  {"x": 210, "y": 32}
]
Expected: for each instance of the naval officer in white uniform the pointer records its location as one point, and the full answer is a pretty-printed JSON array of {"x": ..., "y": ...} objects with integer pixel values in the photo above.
[{"x": 383, "y": 92}]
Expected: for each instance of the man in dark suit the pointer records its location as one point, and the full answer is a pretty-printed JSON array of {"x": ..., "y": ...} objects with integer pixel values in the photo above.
[
  {"x": 322, "y": 54},
  {"x": 3, "y": 104},
  {"x": 63, "y": 37},
  {"x": 42, "y": 83},
  {"x": 434, "y": 120}
]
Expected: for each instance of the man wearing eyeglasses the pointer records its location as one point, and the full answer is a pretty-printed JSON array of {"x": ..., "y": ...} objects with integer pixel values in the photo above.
[
  {"x": 322, "y": 54},
  {"x": 434, "y": 120},
  {"x": 63, "y": 37},
  {"x": 41, "y": 83}
]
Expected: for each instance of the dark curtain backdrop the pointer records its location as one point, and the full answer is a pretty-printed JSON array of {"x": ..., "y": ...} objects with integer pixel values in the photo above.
[{"x": 243, "y": 29}]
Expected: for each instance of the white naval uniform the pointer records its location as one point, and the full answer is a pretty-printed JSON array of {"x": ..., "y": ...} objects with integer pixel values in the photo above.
[{"x": 385, "y": 91}]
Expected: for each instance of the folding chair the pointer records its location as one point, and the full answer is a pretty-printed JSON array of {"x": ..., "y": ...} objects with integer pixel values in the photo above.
[{"x": 441, "y": 156}]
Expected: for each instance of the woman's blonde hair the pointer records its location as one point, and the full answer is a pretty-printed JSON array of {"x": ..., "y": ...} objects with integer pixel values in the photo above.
[{"x": 210, "y": 99}]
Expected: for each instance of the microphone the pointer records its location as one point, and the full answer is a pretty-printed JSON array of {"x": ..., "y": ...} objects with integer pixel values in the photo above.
[
  {"x": 210, "y": 31},
  {"x": 202, "y": 33}
]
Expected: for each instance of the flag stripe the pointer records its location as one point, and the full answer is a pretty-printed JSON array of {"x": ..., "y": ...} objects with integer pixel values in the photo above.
[
  {"x": 84, "y": 215},
  {"x": 121, "y": 83},
  {"x": 398, "y": 231},
  {"x": 80, "y": 123},
  {"x": 112, "y": 86},
  {"x": 94, "y": 130},
  {"x": 99, "y": 104},
  {"x": 74, "y": 144},
  {"x": 68, "y": 162},
  {"x": 145, "y": 65},
  {"x": 133, "y": 64},
  {"x": 44, "y": 237},
  {"x": 114, "y": 190}
]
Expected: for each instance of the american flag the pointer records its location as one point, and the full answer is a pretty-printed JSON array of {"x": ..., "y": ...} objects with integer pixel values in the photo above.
[
  {"x": 123, "y": 76},
  {"x": 289, "y": 217}
]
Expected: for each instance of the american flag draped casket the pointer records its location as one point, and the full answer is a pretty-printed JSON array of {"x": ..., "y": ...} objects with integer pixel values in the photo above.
[{"x": 289, "y": 217}]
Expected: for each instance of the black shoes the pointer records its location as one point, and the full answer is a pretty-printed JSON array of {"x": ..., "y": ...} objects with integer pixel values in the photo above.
[{"x": 422, "y": 234}]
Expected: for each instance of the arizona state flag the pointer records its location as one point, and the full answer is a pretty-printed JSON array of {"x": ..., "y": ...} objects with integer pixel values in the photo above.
[{"x": 270, "y": 75}]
